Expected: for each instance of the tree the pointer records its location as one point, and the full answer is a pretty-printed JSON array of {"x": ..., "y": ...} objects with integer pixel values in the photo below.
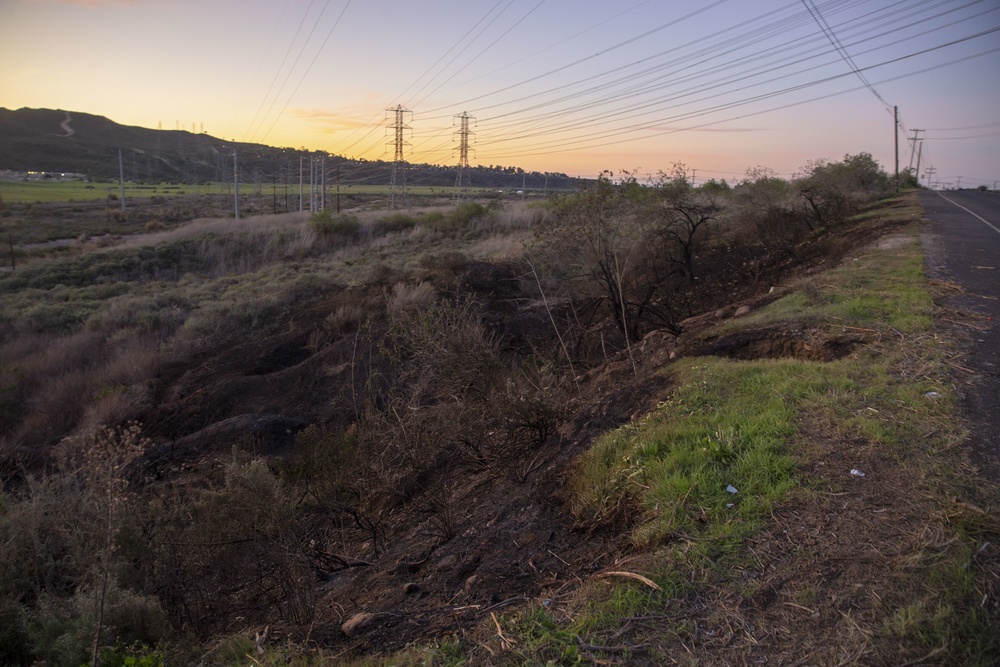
[
  {"x": 834, "y": 190},
  {"x": 766, "y": 202},
  {"x": 683, "y": 212},
  {"x": 610, "y": 235}
]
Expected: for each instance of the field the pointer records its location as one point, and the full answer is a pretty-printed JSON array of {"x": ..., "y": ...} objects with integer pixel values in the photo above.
[{"x": 22, "y": 192}]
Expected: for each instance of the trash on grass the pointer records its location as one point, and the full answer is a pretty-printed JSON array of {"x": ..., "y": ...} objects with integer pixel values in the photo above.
[
  {"x": 729, "y": 505},
  {"x": 932, "y": 394},
  {"x": 731, "y": 489},
  {"x": 856, "y": 473}
]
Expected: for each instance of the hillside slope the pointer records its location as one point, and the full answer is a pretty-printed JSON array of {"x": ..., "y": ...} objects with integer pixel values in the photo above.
[
  {"x": 70, "y": 141},
  {"x": 432, "y": 438}
]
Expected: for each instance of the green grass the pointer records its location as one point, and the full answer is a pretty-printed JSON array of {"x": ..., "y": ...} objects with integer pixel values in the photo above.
[
  {"x": 881, "y": 290},
  {"x": 22, "y": 192}
]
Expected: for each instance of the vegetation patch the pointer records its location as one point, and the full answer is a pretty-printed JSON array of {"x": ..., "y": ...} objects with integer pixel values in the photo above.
[
  {"x": 485, "y": 434},
  {"x": 728, "y": 490}
]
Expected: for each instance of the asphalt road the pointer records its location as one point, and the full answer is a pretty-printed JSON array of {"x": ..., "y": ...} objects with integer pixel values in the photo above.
[{"x": 962, "y": 246}]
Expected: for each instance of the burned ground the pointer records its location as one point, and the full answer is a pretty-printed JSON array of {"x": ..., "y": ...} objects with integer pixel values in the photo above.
[{"x": 477, "y": 527}]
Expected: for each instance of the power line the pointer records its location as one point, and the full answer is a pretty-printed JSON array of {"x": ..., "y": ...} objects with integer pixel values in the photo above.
[
  {"x": 309, "y": 68},
  {"x": 825, "y": 27}
]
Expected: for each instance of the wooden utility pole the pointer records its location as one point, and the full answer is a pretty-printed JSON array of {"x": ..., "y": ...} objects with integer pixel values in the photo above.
[
  {"x": 913, "y": 149},
  {"x": 920, "y": 154},
  {"x": 895, "y": 129},
  {"x": 236, "y": 187},
  {"x": 338, "y": 189},
  {"x": 121, "y": 177},
  {"x": 312, "y": 184},
  {"x": 300, "y": 184}
]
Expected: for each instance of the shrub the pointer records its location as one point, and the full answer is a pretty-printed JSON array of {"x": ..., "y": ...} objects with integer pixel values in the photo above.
[
  {"x": 767, "y": 204},
  {"x": 831, "y": 191},
  {"x": 392, "y": 223},
  {"x": 467, "y": 212},
  {"x": 326, "y": 224}
]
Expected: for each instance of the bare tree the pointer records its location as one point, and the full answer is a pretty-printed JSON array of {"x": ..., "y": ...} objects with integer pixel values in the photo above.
[{"x": 684, "y": 213}]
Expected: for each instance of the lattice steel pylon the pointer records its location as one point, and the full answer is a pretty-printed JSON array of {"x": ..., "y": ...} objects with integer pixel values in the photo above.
[
  {"x": 462, "y": 180},
  {"x": 399, "y": 142}
]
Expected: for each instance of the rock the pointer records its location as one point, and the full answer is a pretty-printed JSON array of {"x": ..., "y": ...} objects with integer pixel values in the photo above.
[
  {"x": 741, "y": 311},
  {"x": 356, "y": 623},
  {"x": 410, "y": 588},
  {"x": 723, "y": 313}
]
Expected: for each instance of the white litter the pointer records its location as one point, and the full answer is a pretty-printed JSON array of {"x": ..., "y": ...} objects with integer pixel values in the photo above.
[
  {"x": 731, "y": 489},
  {"x": 856, "y": 473}
]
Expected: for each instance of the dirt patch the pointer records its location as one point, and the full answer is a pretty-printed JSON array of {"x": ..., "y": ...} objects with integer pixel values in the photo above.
[{"x": 783, "y": 343}]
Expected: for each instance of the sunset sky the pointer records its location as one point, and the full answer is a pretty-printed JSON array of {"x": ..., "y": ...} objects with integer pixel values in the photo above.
[{"x": 576, "y": 86}]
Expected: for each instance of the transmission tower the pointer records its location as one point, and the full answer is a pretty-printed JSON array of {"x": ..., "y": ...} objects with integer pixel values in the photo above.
[
  {"x": 462, "y": 180},
  {"x": 397, "y": 181}
]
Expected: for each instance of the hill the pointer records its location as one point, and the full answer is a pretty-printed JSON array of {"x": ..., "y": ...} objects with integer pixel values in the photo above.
[{"x": 61, "y": 141}]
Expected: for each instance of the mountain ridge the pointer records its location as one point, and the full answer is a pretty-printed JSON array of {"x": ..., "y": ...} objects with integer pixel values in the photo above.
[{"x": 57, "y": 140}]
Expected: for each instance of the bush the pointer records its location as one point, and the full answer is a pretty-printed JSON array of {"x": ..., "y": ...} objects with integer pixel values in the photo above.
[
  {"x": 467, "y": 212},
  {"x": 326, "y": 224},
  {"x": 392, "y": 223},
  {"x": 767, "y": 204},
  {"x": 832, "y": 191}
]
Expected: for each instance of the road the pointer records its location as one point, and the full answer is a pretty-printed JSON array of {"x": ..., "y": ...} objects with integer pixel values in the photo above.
[{"x": 962, "y": 246}]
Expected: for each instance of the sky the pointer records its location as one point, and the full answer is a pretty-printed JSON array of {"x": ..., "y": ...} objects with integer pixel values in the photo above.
[{"x": 573, "y": 86}]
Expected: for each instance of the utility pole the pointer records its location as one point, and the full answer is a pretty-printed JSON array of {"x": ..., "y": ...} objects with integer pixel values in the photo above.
[
  {"x": 399, "y": 128},
  {"x": 913, "y": 148},
  {"x": 236, "y": 187},
  {"x": 959, "y": 186},
  {"x": 462, "y": 176},
  {"x": 694, "y": 174},
  {"x": 121, "y": 177},
  {"x": 322, "y": 171},
  {"x": 338, "y": 189},
  {"x": 260, "y": 200},
  {"x": 895, "y": 129},
  {"x": 930, "y": 176},
  {"x": 300, "y": 184},
  {"x": 920, "y": 154},
  {"x": 312, "y": 184}
]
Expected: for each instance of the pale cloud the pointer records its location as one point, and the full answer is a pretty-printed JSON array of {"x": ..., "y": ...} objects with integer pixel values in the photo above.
[{"x": 335, "y": 120}]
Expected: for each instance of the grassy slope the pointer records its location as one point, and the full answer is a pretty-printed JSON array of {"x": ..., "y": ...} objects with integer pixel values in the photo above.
[{"x": 807, "y": 560}]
